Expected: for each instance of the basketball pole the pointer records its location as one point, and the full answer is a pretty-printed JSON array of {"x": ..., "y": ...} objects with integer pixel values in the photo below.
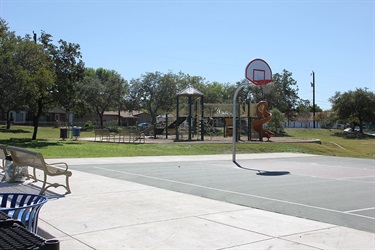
[
  {"x": 234, "y": 134},
  {"x": 257, "y": 72}
]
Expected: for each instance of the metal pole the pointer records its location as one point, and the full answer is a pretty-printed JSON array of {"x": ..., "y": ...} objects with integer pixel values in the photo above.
[
  {"x": 189, "y": 118},
  {"x": 166, "y": 126},
  {"x": 248, "y": 122},
  {"x": 202, "y": 119},
  {"x": 177, "y": 127},
  {"x": 234, "y": 136},
  {"x": 313, "y": 86}
]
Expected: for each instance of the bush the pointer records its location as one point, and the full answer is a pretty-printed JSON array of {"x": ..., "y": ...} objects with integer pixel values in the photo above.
[{"x": 89, "y": 125}]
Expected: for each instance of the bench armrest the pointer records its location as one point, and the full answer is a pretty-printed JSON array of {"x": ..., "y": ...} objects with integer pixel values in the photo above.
[{"x": 59, "y": 163}]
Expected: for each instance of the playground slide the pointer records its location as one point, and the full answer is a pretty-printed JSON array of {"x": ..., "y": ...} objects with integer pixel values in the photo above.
[
  {"x": 177, "y": 122},
  {"x": 148, "y": 129},
  {"x": 159, "y": 131},
  {"x": 264, "y": 117}
]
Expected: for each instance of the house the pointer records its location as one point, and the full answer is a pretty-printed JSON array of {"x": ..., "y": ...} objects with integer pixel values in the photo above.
[
  {"x": 52, "y": 117},
  {"x": 127, "y": 118},
  {"x": 303, "y": 121}
]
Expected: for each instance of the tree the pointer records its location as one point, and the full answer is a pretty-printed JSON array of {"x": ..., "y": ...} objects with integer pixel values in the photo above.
[
  {"x": 34, "y": 76},
  {"x": 276, "y": 123},
  {"x": 39, "y": 81},
  {"x": 317, "y": 108},
  {"x": 303, "y": 111},
  {"x": 282, "y": 93},
  {"x": 357, "y": 107},
  {"x": 101, "y": 90},
  {"x": 183, "y": 80},
  {"x": 69, "y": 69},
  {"x": 52, "y": 73},
  {"x": 155, "y": 92},
  {"x": 11, "y": 72},
  {"x": 326, "y": 119}
]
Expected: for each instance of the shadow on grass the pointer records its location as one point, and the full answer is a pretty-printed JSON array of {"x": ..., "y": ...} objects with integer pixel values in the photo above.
[
  {"x": 14, "y": 131},
  {"x": 28, "y": 143},
  {"x": 353, "y": 135}
]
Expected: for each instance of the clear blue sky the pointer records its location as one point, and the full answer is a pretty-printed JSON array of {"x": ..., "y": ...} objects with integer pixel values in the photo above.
[{"x": 214, "y": 39}]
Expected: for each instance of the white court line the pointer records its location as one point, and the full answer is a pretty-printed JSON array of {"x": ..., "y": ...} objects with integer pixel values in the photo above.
[
  {"x": 338, "y": 145},
  {"x": 359, "y": 210},
  {"x": 348, "y": 179},
  {"x": 238, "y": 193}
]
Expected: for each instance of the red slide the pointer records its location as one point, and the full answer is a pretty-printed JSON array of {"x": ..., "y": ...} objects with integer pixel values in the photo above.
[{"x": 264, "y": 117}]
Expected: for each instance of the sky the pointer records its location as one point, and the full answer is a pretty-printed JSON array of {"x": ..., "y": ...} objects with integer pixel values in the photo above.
[{"x": 215, "y": 39}]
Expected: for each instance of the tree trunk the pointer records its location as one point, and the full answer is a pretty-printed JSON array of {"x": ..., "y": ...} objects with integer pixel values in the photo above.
[
  {"x": 119, "y": 117},
  {"x": 36, "y": 120},
  {"x": 36, "y": 125},
  {"x": 154, "y": 123},
  {"x": 8, "y": 120},
  {"x": 101, "y": 114}
]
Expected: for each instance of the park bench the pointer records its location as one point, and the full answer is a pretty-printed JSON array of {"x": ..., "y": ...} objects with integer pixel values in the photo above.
[
  {"x": 27, "y": 158},
  {"x": 137, "y": 137},
  {"x": 103, "y": 134}
]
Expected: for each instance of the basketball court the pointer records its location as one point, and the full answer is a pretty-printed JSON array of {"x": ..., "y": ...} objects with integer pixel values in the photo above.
[{"x": 335, "y": 190}]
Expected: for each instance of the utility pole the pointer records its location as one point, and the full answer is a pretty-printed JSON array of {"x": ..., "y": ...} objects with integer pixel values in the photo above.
[
  {"x": 313, "y": 86},
  {"x": 34, "y": 37}
]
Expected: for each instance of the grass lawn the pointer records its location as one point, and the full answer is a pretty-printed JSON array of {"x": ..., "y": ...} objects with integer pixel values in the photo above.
[{"x": 334, "y": 143}]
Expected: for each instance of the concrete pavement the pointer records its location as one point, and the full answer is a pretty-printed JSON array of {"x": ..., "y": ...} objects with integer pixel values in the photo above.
[{"x": 108, "y": 213}]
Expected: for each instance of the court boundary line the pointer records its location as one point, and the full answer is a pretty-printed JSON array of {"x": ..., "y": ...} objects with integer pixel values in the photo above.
[
  {"x": 360, "y": 210},
  {"x": 238, "y": 193}
]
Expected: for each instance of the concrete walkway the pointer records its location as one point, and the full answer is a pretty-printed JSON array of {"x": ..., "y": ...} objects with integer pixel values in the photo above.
[{"x": 108, "y": 213}]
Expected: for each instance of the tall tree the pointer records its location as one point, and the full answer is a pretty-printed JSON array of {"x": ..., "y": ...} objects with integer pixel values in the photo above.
[
  {"x": 357, "y": 107},
  {"x": 11, "y": 72},
  {"x": 155, "y": 92},
  {"x": 39, "y": 80},
  {"x": 102, "y": 90},
  {"x": 53, "y": 76},
  {"x": 183, "y": 80},
  {"x": 276, "y": 123},
  {"x": 303, "y": 111},
  {"x": 69, "y": 69}
]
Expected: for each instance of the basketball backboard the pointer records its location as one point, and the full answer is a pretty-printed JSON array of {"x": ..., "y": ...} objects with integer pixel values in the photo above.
[{"x": 258, "y": 72}]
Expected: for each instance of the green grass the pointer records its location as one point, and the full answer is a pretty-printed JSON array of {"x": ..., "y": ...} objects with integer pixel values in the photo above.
[{"x": 51, "y": 146}]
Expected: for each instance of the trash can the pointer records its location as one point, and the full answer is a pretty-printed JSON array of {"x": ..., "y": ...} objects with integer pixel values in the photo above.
[
  {"x": 23, "y": 207},
  {"x": 76, "y": 131},
  {"x": 63, "y": 133}
]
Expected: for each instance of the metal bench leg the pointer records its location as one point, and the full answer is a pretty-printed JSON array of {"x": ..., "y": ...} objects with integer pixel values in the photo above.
[{"x": 44, "y": 185}]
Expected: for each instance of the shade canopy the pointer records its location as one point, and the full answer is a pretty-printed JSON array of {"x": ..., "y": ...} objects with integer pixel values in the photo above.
[{"x": 190, "y": 91}]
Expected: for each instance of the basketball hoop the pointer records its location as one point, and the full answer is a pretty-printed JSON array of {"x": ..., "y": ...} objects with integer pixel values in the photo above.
[{"x": 258, "y": 72}]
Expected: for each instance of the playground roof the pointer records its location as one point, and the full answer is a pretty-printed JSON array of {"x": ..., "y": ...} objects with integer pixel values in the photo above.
[{"x": 190, "y": 91}]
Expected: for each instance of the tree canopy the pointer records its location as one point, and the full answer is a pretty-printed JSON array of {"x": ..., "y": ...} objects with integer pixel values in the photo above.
[
  {"x": 357, "y": 107},
  {"x": 36, "y": 74},
  {"x": 102, "y": 90},
  {"x": 282, "y": 94},
  {"x": 154, "y": 92}
]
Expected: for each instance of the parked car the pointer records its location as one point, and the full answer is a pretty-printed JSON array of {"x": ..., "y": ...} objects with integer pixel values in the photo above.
[{"x": 144, "y": 125}]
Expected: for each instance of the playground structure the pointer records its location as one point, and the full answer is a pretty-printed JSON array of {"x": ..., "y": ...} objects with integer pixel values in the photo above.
[
  {"x": 192, "y": 122},
  {"x": 264, "y": 117},
  {"x": 217, "y": 122}
]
